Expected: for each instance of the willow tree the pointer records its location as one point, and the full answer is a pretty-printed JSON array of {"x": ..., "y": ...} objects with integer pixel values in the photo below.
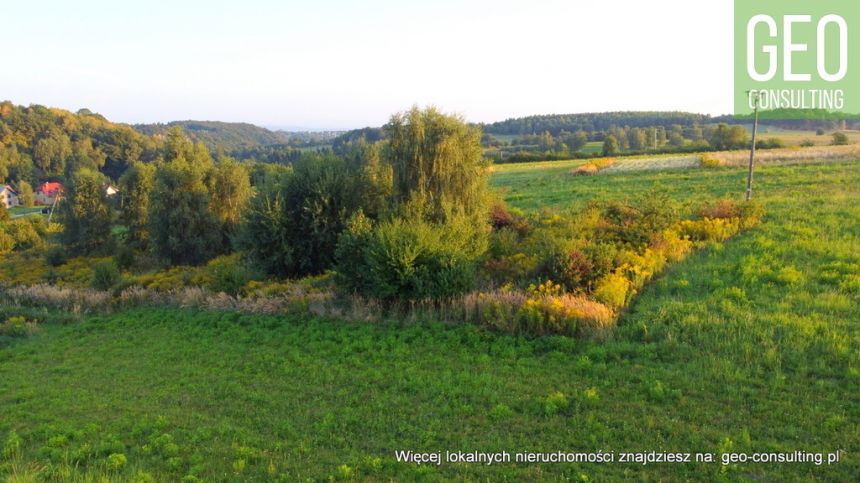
[{"x": 437, "y": 164}]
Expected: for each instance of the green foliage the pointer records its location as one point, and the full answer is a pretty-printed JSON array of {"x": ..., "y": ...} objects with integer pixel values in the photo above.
[
  {"x": 729, "y": 137},
  {"x": 124, "y": 257},
  {"x": 85, "y": 214},
  {"x": 135, "y": 187},
  {"x": 267, "y": 232},
  {"x": 228, "y": 274},
  {"x": 53, "y": 143},
  {"x": 350, "y": 252},
  {"x": 22, "y": 234},
  {"x": 634, "y": 223},
  {"x": 840, "y": 139},
  {"x": 292, "y": 227},
  {"x": 182, "y": 228},
  {"x": 231, "y": 191},
  {"x": 571, "y": 268},
  {"x": 25, "y": 194},
  {"x": 555, "y": 403},
  {"x": 105, "y": 275},
  {"x": 437, "y": 165},
  {"x": 412, "y": 259},
  {"x": 610, "y": 146},
  {"x": 7, "y": 243},
  {"x": 56, "y": 256},
  {"x": 116, "y": 461}
]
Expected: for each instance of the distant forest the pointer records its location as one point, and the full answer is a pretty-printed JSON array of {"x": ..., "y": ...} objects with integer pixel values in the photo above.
[{"x": 231, "y": 136}]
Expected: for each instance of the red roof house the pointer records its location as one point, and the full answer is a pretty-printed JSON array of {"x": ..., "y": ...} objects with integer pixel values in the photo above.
[{"x": 48, "y": 192}]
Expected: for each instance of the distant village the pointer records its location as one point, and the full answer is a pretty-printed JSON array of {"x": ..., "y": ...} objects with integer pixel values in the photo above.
[{"x": 46, "y": 195}]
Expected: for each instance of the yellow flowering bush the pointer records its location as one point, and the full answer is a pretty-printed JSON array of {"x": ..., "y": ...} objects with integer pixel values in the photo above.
[
  {"x": 709, "y": 229},
  {"x": 613, "y": 290}
]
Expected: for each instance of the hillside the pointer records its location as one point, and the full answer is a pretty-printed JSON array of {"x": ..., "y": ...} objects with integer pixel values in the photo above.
[
  {"x": 38, "y": 143},
  {"x": 228, "y": 135}
]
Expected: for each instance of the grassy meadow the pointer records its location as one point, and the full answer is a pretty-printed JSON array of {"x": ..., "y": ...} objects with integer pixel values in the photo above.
[{"x": 752, "y": 345}]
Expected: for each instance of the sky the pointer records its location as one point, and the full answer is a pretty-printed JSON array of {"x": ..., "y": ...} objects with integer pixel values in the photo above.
[{"x": 334, "y": 64}]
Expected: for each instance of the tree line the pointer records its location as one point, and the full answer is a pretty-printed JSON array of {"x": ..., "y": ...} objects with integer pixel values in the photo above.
[{"x": 407, "y": 216}]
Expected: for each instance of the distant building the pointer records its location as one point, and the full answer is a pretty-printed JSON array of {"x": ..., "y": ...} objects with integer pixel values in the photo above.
[
  {"x": 48, "y": 192},
  {"x": 8, "y": 197},
  {"x": 111, "y": 190}
]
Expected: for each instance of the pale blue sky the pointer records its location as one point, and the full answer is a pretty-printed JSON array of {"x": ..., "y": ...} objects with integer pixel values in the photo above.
[{"x": 338, "y": 64}]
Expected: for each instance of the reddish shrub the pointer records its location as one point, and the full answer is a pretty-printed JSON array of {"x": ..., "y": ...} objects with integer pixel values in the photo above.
[{"x": 500, "y": 217}]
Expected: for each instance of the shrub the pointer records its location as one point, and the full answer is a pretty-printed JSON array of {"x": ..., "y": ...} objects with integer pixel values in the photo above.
[
  {"x": 124, "y": 257},
  {"x": 709, "y": 161},
  {"x": 603, "y": 163},
  {"x": 116, "y": 461},
  {"x": 56, "y": 256},
  {"x": 7, "y": 243},
  {"x": 721, "y": 209},
  {"x": 587, "y": 169},
  {"x": 17, "y": 326},
  {"x": 751, "y": 213},
  {"x": 416, "y": 260},
  {"x": 603, "y": 257},
  {"x": 636, "y": 223},
  {"x": 226, "y": 274},
  {"x": 672, "y": 245},
  {"x": 807, "y": 143},
  {"x": 555, "y": 403},
  {"x": 709, "y": 229},
  {"x": 747, "y": 214},
  {"x": 613, "y": 290},
  {"x": 770, "y": 143},
  {"x": 500, "y": 411},
  {"x": 105, "y": 275},
  {"x": 510, "y": 269},
  {"x": 500, "y": 217},
  {"x": 840, "y": 139},
  {"x": 573, "y": 269},
  {"x": 350, "y": 252},
  {"x": 24, "y": 233},
  {"x": 562, "y": 314}
]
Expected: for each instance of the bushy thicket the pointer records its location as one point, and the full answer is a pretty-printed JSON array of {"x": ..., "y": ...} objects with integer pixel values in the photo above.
[
  {"x": 292, "y": 226},
  {"x": 410, "y": 259}
]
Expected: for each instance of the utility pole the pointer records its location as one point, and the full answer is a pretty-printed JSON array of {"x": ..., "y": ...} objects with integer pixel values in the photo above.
[{"x": 752, "y": 149}]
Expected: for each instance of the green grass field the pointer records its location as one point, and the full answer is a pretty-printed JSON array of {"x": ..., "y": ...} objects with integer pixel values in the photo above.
[{"x": 749, "y": 346}]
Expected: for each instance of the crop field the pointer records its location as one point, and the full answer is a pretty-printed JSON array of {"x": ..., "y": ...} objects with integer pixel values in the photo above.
[
  {"x": 795, "y": 137},
  {"x": 752, "y": 345}
]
